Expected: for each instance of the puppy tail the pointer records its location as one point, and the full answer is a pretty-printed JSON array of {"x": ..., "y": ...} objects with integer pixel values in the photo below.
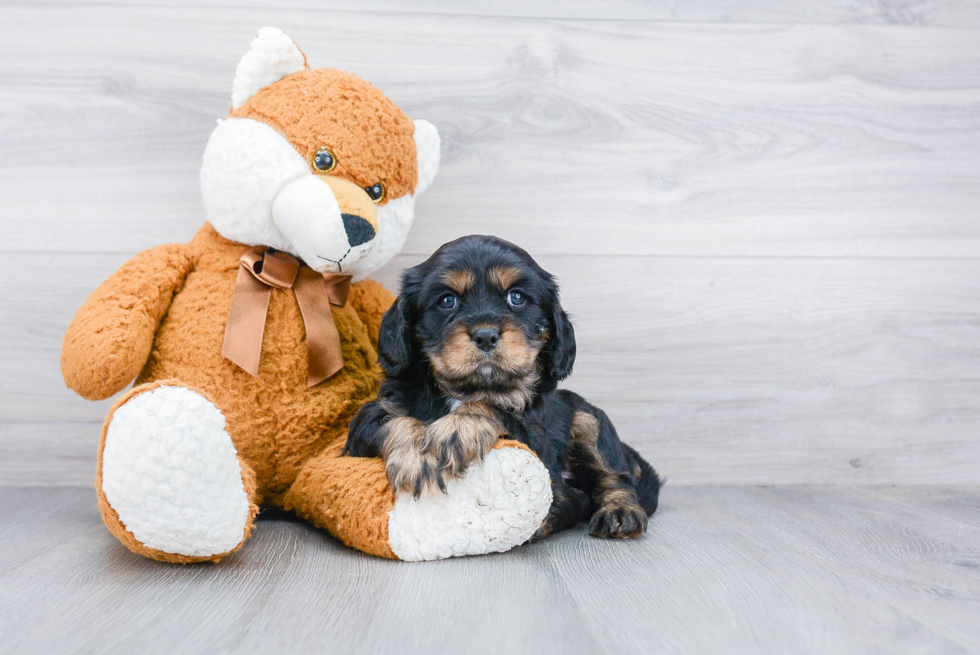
[{"x": 648, "y": 482}]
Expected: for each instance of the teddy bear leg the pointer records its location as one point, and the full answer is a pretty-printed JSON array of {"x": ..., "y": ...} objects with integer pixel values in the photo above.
[
  {"x": 170, "y": 483},
  {"x": 497, "y": 505}
]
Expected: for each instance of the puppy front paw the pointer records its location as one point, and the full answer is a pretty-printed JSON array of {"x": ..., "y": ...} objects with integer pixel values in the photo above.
[
  {"x": 461, "y": 437},
  {"x": 619, "y": 521},
  {"x": 408, "y": 466}
]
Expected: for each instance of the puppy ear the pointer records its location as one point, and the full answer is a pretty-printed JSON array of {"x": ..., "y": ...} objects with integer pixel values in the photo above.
[
  {"x": 562, "y": 346},
  {"x": 395, "y": 338}
]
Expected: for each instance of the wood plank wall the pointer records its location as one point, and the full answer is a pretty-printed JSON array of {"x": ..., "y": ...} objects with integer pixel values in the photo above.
[{"x": 765, "y": 215}]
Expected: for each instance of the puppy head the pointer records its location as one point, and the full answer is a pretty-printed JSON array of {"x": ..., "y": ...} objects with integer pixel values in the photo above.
[{"x": 486, "y": 320}]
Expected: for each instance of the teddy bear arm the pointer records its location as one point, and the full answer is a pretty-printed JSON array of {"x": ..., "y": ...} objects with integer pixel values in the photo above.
[
  {"x": 110, "y": 338},
  {"x": 349, "y": 496},
  {"x": 371, "y": 300}
]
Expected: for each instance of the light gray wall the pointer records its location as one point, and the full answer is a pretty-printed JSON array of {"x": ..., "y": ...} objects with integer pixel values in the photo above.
[{"x": 765, "y": 216}]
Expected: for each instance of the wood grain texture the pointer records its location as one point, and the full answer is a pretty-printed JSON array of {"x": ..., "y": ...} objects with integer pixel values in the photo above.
[
  {"x": 719, "y": 370},
  {"x": 765, "y": 226},
  {"x": 629, "y": 137},
  {"x": 955, "y": 13},
  {"x": 790, "y": 570}
]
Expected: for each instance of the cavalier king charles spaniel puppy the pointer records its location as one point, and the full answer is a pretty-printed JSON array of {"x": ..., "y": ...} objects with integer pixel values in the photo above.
[{"x": 473, "y": 350}]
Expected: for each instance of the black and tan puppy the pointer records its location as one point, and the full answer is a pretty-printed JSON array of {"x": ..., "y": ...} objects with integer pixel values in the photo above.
[{"x": 473, "y": 350}]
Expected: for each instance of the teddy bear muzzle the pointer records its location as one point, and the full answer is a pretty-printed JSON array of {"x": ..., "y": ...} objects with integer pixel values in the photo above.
[{"x": 330, "y": 222}]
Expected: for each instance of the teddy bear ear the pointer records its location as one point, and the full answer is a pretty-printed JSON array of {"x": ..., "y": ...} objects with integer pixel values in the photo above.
[
  {"x": 426, "y": 154},
  {"x": 271, "y": 57}
]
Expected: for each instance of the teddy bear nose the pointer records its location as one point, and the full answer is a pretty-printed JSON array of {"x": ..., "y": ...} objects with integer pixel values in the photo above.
[{"x": 358, "y": 229}]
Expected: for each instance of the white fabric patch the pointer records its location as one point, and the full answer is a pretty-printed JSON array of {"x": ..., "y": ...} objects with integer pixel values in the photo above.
[
  {"x": 496, "y": 506},
  {"x": 308, "y": 215},
  {"x": 395, "y": 218},
  {"x": 427, "y": 154},
  {"x": 171, "y": 472},
  {"x": 246, "y": 165},
  {"x": 394, "y": 222},
  {"x": 271, "y": 56}
]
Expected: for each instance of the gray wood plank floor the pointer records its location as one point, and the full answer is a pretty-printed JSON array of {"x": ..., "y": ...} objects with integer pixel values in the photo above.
[{"x": 723, "y": 570}]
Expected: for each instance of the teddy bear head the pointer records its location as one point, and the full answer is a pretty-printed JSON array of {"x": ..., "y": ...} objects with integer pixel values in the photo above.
[{"x": 316, "y": 163}]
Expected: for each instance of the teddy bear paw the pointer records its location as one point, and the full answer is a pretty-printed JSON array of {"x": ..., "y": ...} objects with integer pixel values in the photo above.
[
  {"x": 497, "y": 504},
  {"x": 171, "y": 475}
]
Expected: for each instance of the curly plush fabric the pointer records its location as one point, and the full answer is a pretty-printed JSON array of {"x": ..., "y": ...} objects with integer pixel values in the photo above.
[
  {"x": 271, "y": 56},
  {"x": 213, "y": 511},
  {"x": 371, "y": 139},
  {"x": 276, "y": 425},
  {"x": 110, "y": 338},
  {"x": 497, "y": 505}
]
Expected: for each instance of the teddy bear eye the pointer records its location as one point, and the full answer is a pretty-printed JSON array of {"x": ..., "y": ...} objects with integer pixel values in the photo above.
[
  {"x": 324, "y": 161},
  {"x": 376, "y": 192}
]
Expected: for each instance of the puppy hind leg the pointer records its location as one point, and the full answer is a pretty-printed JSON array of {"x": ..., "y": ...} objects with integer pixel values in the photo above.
[
  {"x": 569, "y": 507},
  {"x": 648, "y": 483},
  {"x": 618, "y": 512}
]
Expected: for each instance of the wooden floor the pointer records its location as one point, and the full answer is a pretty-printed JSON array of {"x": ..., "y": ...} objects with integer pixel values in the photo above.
[{"x": 723, "y": 570}]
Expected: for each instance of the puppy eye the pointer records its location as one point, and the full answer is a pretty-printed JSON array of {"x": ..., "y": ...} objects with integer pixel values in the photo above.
[
  {"x": 324, "y": 161},
  {"x": 448, "y": 301},
  {"x": 376, "y": 192},
  {"x": 516, "y": 299}
]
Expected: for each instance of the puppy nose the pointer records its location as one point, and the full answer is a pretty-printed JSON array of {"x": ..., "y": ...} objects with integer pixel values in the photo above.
[
  {"x": 486, "y": 338},
  {"x": 358, "y": 230}
]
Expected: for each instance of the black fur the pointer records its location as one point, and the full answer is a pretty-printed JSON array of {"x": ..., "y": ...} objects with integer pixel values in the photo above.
[{"x": 418, "y": 325}]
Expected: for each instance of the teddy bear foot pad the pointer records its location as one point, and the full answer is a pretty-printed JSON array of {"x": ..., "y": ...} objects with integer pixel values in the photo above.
[
  {"x": 172, "y": 477},
  {"x": 498, "y": 505}
]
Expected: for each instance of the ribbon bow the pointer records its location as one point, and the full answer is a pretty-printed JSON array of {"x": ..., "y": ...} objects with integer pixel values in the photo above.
[{"x": 264, "y": 268}]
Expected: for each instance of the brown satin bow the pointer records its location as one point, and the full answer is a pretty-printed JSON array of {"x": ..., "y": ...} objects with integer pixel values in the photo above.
[{"x": 264, "y": 268}]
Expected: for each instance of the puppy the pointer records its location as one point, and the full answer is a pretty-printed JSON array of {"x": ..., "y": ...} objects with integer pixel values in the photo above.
[{"x": 473, "y": 350}]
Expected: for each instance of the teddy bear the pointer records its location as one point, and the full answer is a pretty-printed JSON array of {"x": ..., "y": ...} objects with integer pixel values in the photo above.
[{"x": 252, "y": 346}]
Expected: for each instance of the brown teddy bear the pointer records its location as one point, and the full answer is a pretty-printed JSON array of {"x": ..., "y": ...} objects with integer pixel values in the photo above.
[{"x": 253, "y": 345}]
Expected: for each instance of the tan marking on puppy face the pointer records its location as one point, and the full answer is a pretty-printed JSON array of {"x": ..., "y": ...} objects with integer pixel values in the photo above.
[
  {"x": 513, "y": 368},
  {"x": 516, "y": 398},
  {"x": 464, "y": 435},
  {"x": 515, "y": 351},
  {"x": 369, "y": 136},
  {"x": 458, "y": 355},
  {"x": 513, "y": 363},
  {"x": 504, "y": 277},
  {"x": 459, "y": 281}
]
